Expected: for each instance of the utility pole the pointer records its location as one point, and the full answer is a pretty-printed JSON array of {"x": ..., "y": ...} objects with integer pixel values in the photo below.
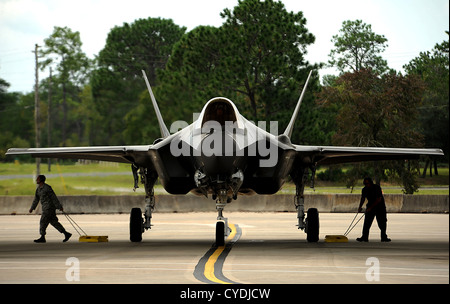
[
  {"x": 49, "y": 119},
  {"x": 36, "y": 108}
]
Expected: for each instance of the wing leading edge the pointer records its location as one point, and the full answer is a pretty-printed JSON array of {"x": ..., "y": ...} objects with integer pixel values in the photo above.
[
  {"x": 119, "y": 154},
  {"x": 326, "y": 155}
]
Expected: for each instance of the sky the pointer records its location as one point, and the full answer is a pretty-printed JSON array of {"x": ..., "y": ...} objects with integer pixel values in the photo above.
[{"x": 411, "y": 26}]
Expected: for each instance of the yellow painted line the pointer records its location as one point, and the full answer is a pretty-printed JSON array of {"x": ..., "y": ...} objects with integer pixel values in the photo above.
[
  {"x": 233, "y": 232},
  {"x": 209, "y": 266}
]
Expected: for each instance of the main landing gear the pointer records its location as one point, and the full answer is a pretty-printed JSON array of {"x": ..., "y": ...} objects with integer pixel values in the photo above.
[
  {"x": 310, "y": 224},
  {"x": 139, "y": 224}
]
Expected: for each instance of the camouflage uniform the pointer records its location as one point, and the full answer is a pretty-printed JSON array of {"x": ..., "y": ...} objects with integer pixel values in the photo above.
[{"x": 49, "y": 203}]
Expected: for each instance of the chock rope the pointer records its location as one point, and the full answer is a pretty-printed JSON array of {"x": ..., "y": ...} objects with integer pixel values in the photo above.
[
  {"x": 350, "y": 229},
  {"x": 73, "y": 223}
]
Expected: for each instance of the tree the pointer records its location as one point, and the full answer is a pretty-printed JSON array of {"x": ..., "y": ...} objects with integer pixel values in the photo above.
[
  {"x": 16, "y": 119},
  {"x": 264, "y": 54},
  {"x": 63, "y": 48},
  {"x": 358, "y": 47},
  {"x": 145, "y": 44},
  {"x": 190, "y": 78},
  {"x": 256, "y": 58},
  {"x": 377, "y": 111},
  {"x": 433, "y": 68}
]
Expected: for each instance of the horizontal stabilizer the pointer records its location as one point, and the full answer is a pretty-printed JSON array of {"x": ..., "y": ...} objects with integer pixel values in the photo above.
[
  {"x": 290, "y": 127},
  {"x": 164, "y": 131}
]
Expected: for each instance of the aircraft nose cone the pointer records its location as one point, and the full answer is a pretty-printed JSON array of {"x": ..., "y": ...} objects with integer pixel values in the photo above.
[
  {"x": 218, "y": 165},
  {"x": 219, "y": 154}
]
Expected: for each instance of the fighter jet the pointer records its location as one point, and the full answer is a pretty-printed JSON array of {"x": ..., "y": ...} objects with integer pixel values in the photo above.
[{"x": 223, "y": 155}]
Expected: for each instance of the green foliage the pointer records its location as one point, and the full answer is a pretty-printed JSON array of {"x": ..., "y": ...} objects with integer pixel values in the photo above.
[
  {"x": 264, "y": 57},
  {"x": 433, "y": 68},
  {"x": 145, "y": 44},
  {"x": 375, "y": 111},
  {"x": 72, "y": 65},
  {"x": 256, "y": 58},
  {"x": 404, "y": 174},
  {"x": 62, "y": 49},
  {"x": 16, "y": 119},
  {"x": 189, "y": 79},
  {"x": 379, "y": 112},
  {"x": 332, "y": 174},
  {"x": 358, "y": 47},
  {"x": 117, "y": 83}
]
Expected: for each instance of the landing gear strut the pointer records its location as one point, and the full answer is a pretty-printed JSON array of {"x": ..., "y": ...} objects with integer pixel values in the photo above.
[
  {"x": 225, "y": 189},
  {"x": 222, "y": 229},
  {"x": 310, "y": 224},
  {"x": 139, "y": 224}
]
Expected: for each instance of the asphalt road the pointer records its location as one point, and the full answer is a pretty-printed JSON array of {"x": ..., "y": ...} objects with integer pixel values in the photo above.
[{"x": 266, "y": 248}]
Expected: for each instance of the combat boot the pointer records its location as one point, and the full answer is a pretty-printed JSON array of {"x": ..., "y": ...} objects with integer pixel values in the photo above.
[
  {"x": 40, "y": 240},
  {"x": 67, "y": 236}
]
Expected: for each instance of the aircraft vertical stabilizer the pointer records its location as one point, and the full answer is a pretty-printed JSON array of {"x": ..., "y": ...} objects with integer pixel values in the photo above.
[
  {"x": 290, "y": 127},
  {"x": 164, "y": 131}
]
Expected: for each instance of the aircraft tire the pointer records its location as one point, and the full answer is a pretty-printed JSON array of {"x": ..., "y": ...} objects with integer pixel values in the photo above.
[
  {"x": 220, "y": 233},
  {"x": 136, "y": 223},
  {"x": 312, "y": 225}
]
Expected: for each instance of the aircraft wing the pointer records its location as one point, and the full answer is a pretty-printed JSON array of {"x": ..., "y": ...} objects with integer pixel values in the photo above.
[
  {"x": 119, "y": 154},
  {"x": 326, "y": 155}
]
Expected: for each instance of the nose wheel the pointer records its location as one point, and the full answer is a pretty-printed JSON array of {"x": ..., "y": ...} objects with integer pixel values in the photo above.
[{"x": 220, "y": 233}]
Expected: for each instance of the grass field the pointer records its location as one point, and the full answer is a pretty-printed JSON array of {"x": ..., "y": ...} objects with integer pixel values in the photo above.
[{"x": 117, "y": 179}]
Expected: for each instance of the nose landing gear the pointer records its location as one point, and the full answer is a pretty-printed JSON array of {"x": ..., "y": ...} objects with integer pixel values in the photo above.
[
  {"x": 222, "y": 229},
  {"x": 224, "y": 189}
]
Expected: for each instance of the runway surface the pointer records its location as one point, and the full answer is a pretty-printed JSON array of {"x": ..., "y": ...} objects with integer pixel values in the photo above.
[{"x": 266, "y": 248}]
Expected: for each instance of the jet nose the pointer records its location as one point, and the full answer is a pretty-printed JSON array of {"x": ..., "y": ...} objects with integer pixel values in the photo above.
[
  {"x": 219, "y": 154},
  {"x": 218, "y": 165}
]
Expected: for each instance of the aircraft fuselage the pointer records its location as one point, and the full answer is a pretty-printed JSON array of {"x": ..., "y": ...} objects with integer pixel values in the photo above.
[{"x": 222, "y": 150}]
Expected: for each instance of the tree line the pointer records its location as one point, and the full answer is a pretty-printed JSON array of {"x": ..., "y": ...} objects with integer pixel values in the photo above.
[{"x": 257, "y": 59}]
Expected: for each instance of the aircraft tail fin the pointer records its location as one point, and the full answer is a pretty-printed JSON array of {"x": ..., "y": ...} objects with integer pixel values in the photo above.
[
  {"x": 162, "y": 126},
  {"x": 290, "y": 127}
]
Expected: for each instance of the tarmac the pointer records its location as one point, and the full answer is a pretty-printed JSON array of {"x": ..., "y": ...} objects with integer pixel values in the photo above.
[{"x": 266, "y": 248}]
